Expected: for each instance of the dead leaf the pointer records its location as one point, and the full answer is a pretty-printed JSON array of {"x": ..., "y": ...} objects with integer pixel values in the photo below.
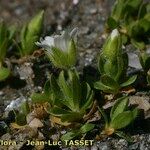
[
  {"x": 57, "y": 120},
  {"x": 36, "y": 123}
]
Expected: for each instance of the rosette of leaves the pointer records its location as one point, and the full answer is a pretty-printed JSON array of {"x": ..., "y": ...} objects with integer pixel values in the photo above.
[
  {"x": 6, "y": 36},
  {"x": 61, "y": 49},
  {"x": 120, "y": 117},
  {"x": 76, "y": 133},
  {"x": 30, "y": 33},
  {"x": 69, "y": 99},
  {"x": 113, "y": 64},
  {"x": 133, "y": 19}
]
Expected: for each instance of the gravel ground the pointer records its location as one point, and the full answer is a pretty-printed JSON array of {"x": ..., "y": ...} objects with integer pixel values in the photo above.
[{"x": 89, "y": 16}]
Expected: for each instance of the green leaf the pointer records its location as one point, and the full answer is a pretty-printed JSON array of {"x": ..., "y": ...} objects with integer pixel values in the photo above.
[
  {"x": 138, "y": 44},
  {"x": 47, "y": 88},
  {"x": 72, "y": 116},
  {"x": 129, "y": 81},
  {"x": 72, "y": 53},
  {"x": 39, "y": 98},
  {"x": 66, "y": 90},
  {"x": 122, "y": 120},
  {"x": 125, "y": 136},
  {"x": 104, "y": 115},
  {"x": 76, "y": 88},
  {"x": 100, "y": 86},
  {"x": 87, "y": 96},
  {"x": 4, "y": 73},
  {"x": 57, "y": 111},
  {"x": 21, "y": 119},
  {"x": 107, "y": 84},
  {"x": 70, "y": 135},
  {"x": 108, "y": 81},
  {"x": 25, "y": 108},
  {"x": 58, "y": 57},
  {"x": 35, "y": 25},
  {"x": 112, "y": 23},
  {"x": 119, "y": 106},
  {"x": 87, "y": 127}
]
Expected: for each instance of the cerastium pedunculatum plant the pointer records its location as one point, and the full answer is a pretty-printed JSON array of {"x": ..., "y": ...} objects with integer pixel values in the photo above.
[
  {"x": 61, "y": 49},
  {"x": 6, "y": 36},
  {"x": 113, "y": 64},
  {"x": 69, "y": 99},
  {"x": 132, "y": 17},
  {"x": 120, "y": 117},
  {"x": 30, "y": 33}
]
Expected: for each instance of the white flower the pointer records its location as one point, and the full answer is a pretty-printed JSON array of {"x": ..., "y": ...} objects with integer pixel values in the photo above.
[
  {"x": 114, "y": 33},
  {"x": 58, "y": 41}
]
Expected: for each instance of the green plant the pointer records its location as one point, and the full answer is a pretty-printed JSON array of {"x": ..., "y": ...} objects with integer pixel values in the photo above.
[
  {"x": 20, "y": 116},
  {"x": 83, "y": 129},
  {"x": 69, "y": 99},
  {"x": 132, "y": 17},
  {"x": 61, "y": 49},
  {"x": 6, "y": 36},
  {"x": 113, "y": 65},
  {"x": 30, "y": 33},
  {"x": 120, "y": 117}
]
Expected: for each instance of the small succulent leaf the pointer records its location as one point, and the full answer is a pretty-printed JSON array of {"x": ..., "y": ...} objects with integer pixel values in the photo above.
[
  {"x": 3, "y": 50},
  {"x": 58, "y": 57},
  {"x": 100, "y": 86},
  {"x": 70, "y": 135},
  {"x": 65, "y": 89},
  {"x": 25, "y": 108},
  {"x": 112, "y": 24},
  {"x": 30, "y": 45},
  {"x": 86, "y": 128},
  {"x": 88, "y": 101},
  {"x": 23, "y": 36},
  {"x": 119, "y": 106},
  {"x": 76, "y": 88},
  {"x": 134, "y": 4},
  {"x": 109, "y": 82},
  {"x": 3, "y": 32},
  {"x": 101, "y": 110},
  {"x": 86, "y": 92},
  {"x": 4, "y": 73},
  {"x": 39, "y": 98},
  {"x": 138, "y": 44},
  {"x": 35, "y": 25},
  {"x": 72, "y": 116},
  {"x": 11, "y": 31},
  {"x": 142, "y": 11},
  {"x": 47, "y": 88},
  {"x": 101, "y": 62},
  {"x": 122, "y": 120},
  {"x": 118, "y": 10},
  {"x": 21, "y": 119},
  {"x": 129, "y": 81},
  {"x": 57, "y": 111},
  {"x": 72, "y": 53},
  {"x": 56, "y": 94},
  {"x": 125, "y": 136}
]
